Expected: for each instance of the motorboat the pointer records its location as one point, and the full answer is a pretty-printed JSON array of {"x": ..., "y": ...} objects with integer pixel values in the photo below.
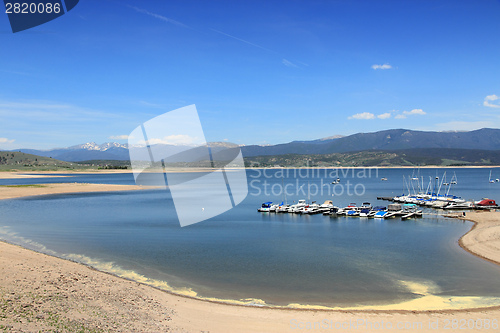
[
  {"x": 377, "y": 209},
  {"x": 325, "y": 206},
  {"x": 332, "y": 212},
  {"x": 364, "y": 212},
  {"x": 336, "y": 181},
  {"x": 380, "y": 214},
  {"x": 365, "y": 205},
  {"x": 486, "y": 204},
  {"x": 297, "y": 207},
  {"x": 282, "y": 208},
  {"x": 460, "y": 205},
  {"x": 267, "y": 207},
  {"x": 310, "y": 209},
  {"x": 350, "y": 208},
  {"x": 352, "y": 213}
]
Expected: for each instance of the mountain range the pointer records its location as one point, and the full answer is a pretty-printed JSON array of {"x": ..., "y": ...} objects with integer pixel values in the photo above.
[{"x": 387, "y": 140}]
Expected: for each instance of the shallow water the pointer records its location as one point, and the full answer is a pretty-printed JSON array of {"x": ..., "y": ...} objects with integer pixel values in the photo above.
[{"x": 278, "y": 258}]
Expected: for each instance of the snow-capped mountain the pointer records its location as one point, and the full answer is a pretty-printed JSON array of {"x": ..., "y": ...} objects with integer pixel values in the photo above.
[
  {"x": 103, "y": 147},
  {"x": 115, "y": 151},
  {"x": 85, "y": 152}
]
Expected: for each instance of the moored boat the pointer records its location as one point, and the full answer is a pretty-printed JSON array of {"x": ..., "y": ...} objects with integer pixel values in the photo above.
[
  {"x": 460, "y": 205},
  {"x": 310, "y": 209},
  {"x": 393, "y": 210},
  {"x": 376, "y": 210},
  {"x": 325, "y": 206},
  {"x": 296, "y": 208},
  {"x": 486, "y": 204},
  {"x": 380, "y": 214},
  {"x": 266, "y": 207}
]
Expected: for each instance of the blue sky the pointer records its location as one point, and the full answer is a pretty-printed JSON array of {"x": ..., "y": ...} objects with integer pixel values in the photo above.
[{"x": 259, "y": 72}]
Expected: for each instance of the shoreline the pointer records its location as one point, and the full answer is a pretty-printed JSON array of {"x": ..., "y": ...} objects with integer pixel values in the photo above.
[
  {"x": 240, "y": 314},
  {"x": 19, "y": 174},
  {"x": 483, "y": 239},
  {"x": 84, "y": 298}
]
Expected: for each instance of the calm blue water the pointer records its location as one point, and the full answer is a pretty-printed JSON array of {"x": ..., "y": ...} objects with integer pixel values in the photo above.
[{"x": 279, "y": 258}]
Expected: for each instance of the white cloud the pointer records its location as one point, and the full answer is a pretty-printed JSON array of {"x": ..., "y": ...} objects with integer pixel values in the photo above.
[
  {"x": 400, "y": 116},
  {"x": 384, "y": 66},
  {"x": 364, "y": 115},
  {"x": 176, "y": 140},
  {"x": 288, "y": 63},
  {"x": 119, "y": 137},
  {"x": 414, "y": 111},
  {"x": 384, "y": 115},
  {"x": 5, "y": 140},
  {"x": 491, "y": 98}
]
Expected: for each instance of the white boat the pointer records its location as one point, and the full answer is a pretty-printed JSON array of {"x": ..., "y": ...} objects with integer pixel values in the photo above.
[
  {"x": 352, "y": 213},
  {"x": 492, "y": 180},
  {"x": 439, "y": 204},
  {"x": 282, "y": 208},
  {"x": 346, "y": 210},
  {"x": 460, "y": 205},
  {"x": 297, "y": 207},
  {"x": 266, "y": 207},
  {"x": 332, "y": 212},
  {"x": 311, "y": 209},
  {"x": 377, "y": 209},
  {"x": 325, "y": 206},
  {"x": 364, "y": 209},
  {"x": 364, "y": 212},
  {"x": 365, "y": 205},
  {"x": 380, "y": 214}
]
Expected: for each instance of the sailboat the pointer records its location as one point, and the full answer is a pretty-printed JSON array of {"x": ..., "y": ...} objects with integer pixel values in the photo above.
[
  {"x": 491, "y": 180},
  {"x": 445, "y": 183},
  {"x": 454, "y": 179},
  {"x": 284, "y": 207}
]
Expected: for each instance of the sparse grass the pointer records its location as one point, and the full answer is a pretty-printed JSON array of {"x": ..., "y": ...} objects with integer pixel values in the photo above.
[{"x": 19, "y": 312}]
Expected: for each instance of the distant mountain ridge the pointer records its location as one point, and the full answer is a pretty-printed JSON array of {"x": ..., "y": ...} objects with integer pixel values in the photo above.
[
  {"x": 394, "y": 139},
  {"x": 387, "y": 140}
]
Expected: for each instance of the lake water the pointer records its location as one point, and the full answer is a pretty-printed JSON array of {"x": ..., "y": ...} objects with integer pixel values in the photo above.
[{"x": 276, "y": 259}]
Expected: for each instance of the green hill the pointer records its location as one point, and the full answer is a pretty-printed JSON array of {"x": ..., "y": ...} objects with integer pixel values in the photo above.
[
  {"x": 20, "y": 161},
  {"x": 406, "y": 157}
]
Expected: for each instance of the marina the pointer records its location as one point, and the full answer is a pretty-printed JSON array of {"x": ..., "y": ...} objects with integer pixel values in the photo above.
[{"x": 404, "y": 206}]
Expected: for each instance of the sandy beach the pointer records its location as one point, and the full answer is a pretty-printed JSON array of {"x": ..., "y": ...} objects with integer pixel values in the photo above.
[
  {"x": 484, "y": 238},
  {"x": 39, "y": 292},
  {"x": 55, "y": 174},
  {"x": 17, "y": 191}
]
